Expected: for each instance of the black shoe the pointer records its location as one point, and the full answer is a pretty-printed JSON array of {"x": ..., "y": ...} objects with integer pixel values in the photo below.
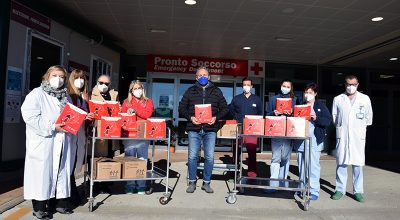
[
  {"x": 65, "y": 211},
  {"x": 42, "y": 215}
]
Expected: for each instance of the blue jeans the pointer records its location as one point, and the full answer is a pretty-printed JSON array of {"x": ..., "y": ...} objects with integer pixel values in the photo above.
[
  {"x": 195, "y": 140},
  {"x": 341, "y": 179},
  {"x": 315, "y": 165},
  {"x": 280, "y": 162},
  {"x": 140, "y": 150}
]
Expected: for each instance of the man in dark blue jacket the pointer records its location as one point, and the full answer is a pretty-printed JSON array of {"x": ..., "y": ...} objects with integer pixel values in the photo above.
[
  {"x": 247, "y": 104},
  {"x": 203, "y": 92}
]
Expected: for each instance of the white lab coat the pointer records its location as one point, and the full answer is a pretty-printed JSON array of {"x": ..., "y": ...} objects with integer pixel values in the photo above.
[
  {"x": 78, "y": 146},
  {"x": 351, "y": 123},
  {"x": 47, "y": 160}
]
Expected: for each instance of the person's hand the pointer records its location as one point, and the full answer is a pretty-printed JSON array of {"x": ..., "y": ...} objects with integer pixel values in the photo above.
[
  {"x": 213, "y": 119},
  {"x": 59, "y": 127},
  {"x": 194, "y": 120},
  {"x": 276, "y": 112},
  {"x": 131, "y": 111},
  {"x": 313, "y": 116},
  {"x": 89, "y": 116}
]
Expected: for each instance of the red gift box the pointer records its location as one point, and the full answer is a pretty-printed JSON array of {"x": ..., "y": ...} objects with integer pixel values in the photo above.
[
  {"x": 73, "y": 118},
  {"x": 275, "y": 126},
  {"x": 284, "y": 105},
  {"x": 110, "y": 127},
  {"x": 296, "y": 127},
  {"x": 98, "y": 108},
  {"x": 151, "y": 128},
  {"x": 113, "y": 108},
  {"x": 253, "y": 124},
  {"x": 302, "y": 111},
  {"x": 128, "y": 122},
  {"x": 231, "y": 122},
  {"x": 203, "y": 113},
  {"x": 129, "y": 134}
]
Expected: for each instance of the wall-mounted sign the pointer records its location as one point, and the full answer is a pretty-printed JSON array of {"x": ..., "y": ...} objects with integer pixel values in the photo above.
[
  {"x": 14, "y": 81},
  {"x": 74, "y": 65},
  {"x": 186, "y": 64},
  {"x": 30, "y": 18}
]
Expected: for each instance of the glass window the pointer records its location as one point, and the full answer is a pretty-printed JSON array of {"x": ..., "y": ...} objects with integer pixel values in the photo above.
[{"x": 162, "y": 94}]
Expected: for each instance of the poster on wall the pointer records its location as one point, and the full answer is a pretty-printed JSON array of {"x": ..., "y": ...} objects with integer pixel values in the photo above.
[
  {"x": 12, "y": 108},
  {"x": 14, "y": 81},
  {"x": 163, "y": 101}
]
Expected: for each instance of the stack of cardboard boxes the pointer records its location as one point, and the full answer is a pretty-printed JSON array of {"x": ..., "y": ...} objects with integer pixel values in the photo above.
[{"x": 119, "y": 167}]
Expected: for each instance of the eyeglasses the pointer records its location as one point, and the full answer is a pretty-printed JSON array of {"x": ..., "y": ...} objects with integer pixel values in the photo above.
[
  {"x": 105, "y": 83},
  {"x": 355, "y": 84}
]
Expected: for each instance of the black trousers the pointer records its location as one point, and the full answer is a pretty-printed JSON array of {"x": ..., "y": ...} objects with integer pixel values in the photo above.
[{"x": 48, "y": 205}]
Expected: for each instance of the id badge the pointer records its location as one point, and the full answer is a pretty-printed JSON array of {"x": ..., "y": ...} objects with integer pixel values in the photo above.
[{"x": 360, "y": 115}]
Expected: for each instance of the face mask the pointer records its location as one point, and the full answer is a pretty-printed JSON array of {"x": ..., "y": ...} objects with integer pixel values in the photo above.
[
  {"x": 138, "y": 93},
  {"x": 56, "y": 82},
  {"x": 79, "y": 83},
  {"x": 285, "y": 90},
  {"x": 351, "y": 89},
  {"x": 203, "y": 80},
  {"x": 309, "y": 97},
  {"x": 246, "y": 89},
  {"x": 103, "y": 88}
]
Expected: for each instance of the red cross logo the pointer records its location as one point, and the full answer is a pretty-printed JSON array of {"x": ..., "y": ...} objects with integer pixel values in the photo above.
[{"x": 256, "y": 68}]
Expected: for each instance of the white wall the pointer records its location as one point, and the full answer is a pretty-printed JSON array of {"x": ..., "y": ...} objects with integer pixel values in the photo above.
[{"x": 13, "y": 146}]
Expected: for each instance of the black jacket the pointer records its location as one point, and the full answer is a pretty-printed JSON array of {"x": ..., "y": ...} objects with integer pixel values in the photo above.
[{"x": 194, "y": 96}]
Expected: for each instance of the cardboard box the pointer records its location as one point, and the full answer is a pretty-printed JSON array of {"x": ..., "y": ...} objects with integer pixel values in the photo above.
[
  {"x": 275, "y": 125},
  {"x": 203, "y": 113},
  {"x": 113, "y": 108},
  {"x": 151, "y": 128},
  {"x": 296, "y": 127},
  {"x": 98, "y": 108},
  {"x": 253, "y": 124},
  {"x": 110, "y": 127},
  {"x": 228, "y": 129},
  {"x": 107, "y": 169},
  {"x": 73, "y": 118},
  {"x": 128, "y": 121},
  {"x": 132, "y": 167},
  {"x": 284, "y": 105},
  {"x": 302, "y": 111}
]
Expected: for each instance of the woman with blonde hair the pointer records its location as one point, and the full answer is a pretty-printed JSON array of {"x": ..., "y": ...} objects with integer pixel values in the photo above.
[
  {"x": 78, "y": 92},
  {"x": 47, "y": 161},
  {"x": 137, "y": 103}
]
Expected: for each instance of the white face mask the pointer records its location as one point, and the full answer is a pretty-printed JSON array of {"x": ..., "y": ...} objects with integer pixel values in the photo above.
[
  {"x": 56, "y": 82},
  {"x": 285, "y": 90},
  {"x": 246, "y": 89},
  {"x": 103, "y": 88},
  {"x": 309, "y": 97},
  {"x": 79, "y": 83},
  {"x": 351, "y": 89},
  {"x": 138, "y": 93}
]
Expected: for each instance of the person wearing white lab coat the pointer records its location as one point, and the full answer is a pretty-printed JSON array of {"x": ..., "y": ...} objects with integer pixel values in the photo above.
[
  {"x": 47, "y": 160},
  {"x": 78, "y": 95},
  {"x": 352, "y": 113}
]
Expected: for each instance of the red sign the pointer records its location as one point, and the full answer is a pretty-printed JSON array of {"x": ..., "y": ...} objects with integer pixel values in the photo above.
[
  {"x": 74, "y": 65},
  {"x": 29, "y": 18},
  {"x": 183, "y": 64}
]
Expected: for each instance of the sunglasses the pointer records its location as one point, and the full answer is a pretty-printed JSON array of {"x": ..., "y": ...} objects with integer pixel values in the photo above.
[{"x": 105, "y": 83}]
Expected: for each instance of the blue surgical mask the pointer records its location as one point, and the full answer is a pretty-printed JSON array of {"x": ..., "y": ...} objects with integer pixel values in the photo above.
[{"x": 203, "y": 80}]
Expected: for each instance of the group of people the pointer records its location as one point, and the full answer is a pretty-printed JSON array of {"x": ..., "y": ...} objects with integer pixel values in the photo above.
[{"x": 54, "y": 156}]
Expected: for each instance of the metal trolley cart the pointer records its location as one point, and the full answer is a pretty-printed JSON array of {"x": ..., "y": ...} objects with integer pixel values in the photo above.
[
  {"x": 154, "y": 174},
  {"x": 241, "y": 182}
]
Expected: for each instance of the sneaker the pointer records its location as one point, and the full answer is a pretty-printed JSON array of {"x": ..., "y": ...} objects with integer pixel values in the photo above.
[
  {"x": 141, "y": 191},
  {"x": 313, "y": 197},
  {"x": 359, "y": 197},
  {"x": 206, "y": 187},
  {"x": 130, "y": 190},
  {"x": 251, "y": 174},
  {"x": 42, "y": 215},
  {"x": 191, "y": 188},
  {"x": 269, "y": 191},
  {"x": 337, "y": 195}
]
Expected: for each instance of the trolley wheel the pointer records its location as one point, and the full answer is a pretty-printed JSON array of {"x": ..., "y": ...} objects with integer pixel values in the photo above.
[
  {"x": 306, "y": 205},
  {"x": 231, "y": 199},
  {"x": 149, "y": 191},
  {"x": 164, "y": 200}
]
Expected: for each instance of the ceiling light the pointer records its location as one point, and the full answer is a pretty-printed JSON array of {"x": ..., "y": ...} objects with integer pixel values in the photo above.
[
  {"x": 382, "y": 76},
  {"x": 157, "y": 31},
  {"x": 288, "y": 10},
  {"x": 393, "y": 58},
  {"x": 284, "y": 39},
  {"x": 339, "y": 74},
  {"x": 39, "y": 58},
  {"x": 190, "y": 2},
  {"x": 246, "y": 48},
  {"x": 377, "y": 19}
]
